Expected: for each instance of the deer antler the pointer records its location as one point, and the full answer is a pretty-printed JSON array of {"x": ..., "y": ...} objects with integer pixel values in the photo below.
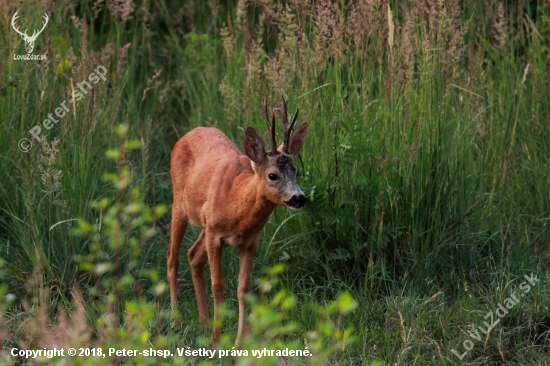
[
  {"x": 25, "y": 36},
  {"x": 288, "y": 126},
  {"x": 15, "y": 27},
  {"x": 36, "y": 33},
  {"x": 270, "y": 128}
]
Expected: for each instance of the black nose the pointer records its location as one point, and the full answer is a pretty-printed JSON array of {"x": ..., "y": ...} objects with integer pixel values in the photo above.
[{"x": 297, "y": 201}]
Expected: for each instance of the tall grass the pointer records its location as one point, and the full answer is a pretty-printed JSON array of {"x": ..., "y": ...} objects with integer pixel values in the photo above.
[{"x": 426, "y": 168}]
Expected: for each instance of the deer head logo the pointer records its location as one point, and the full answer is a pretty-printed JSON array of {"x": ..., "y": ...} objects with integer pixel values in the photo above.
[{"x": 29, "y": 40}]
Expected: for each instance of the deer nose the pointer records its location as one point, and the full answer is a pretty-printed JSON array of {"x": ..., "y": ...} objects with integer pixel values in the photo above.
[{"x": 297, "y": 201}]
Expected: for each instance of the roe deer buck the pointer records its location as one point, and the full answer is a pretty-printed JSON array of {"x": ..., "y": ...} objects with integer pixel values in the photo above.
[{"x": 230, "y": 196}]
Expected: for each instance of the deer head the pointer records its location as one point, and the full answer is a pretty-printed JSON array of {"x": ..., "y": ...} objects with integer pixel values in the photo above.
[
  {"x": 29, "y": 40},
  {"x": 275, "y": 169}
]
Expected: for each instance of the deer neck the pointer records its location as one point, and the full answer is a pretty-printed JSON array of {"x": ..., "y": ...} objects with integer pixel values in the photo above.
[{"x": 252, "y": 202}]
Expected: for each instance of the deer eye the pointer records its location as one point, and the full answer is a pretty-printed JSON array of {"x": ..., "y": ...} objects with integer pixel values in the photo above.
[{"x": 273, "y": 177}]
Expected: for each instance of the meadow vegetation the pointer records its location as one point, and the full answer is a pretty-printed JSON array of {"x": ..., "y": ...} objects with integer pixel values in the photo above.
[{"x": 427, "y": 173}]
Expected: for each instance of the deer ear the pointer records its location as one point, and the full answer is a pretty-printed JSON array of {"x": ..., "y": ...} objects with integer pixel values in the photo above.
[
  {"x": 254, "y": 146},
  {"x": 297, "y": 139}
]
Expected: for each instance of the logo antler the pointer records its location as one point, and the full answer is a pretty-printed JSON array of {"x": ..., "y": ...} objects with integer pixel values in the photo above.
[{"x": 29, "y": 40}]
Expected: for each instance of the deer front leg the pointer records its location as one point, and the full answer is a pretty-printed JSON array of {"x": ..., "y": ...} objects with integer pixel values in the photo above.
[
  {"x": 177, "y": 231},
  {"x": 246, "y": 255},
  {"x": 197, "y": 259},
  {"x": 214, "y": 250}
]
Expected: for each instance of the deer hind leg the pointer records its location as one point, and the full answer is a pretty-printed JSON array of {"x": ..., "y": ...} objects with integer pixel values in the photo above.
[
  {"x": 214, "y": 250},
  {"x": 178, "y": 227},
  {"x": 245, "y": 267},
  {"x": 198, "y": 256}
]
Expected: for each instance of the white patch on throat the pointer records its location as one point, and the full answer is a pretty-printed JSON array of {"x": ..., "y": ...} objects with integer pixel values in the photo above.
[{"x": 253, "y": 165}]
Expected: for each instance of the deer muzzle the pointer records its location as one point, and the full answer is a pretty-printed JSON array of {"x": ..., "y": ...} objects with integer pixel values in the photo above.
[{"x": 297, "y": 201}]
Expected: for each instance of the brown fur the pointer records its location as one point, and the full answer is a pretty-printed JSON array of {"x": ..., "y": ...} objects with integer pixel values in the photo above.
[{"x": 227, "y": 194}]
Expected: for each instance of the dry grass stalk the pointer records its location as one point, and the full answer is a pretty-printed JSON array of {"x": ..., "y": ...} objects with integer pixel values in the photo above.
[
  {"x": 390, "y": 29},
  {"x": 435, "y": 296},
  {"x": 404, "y": 333},
  {"x": 121, "y": 9}
]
